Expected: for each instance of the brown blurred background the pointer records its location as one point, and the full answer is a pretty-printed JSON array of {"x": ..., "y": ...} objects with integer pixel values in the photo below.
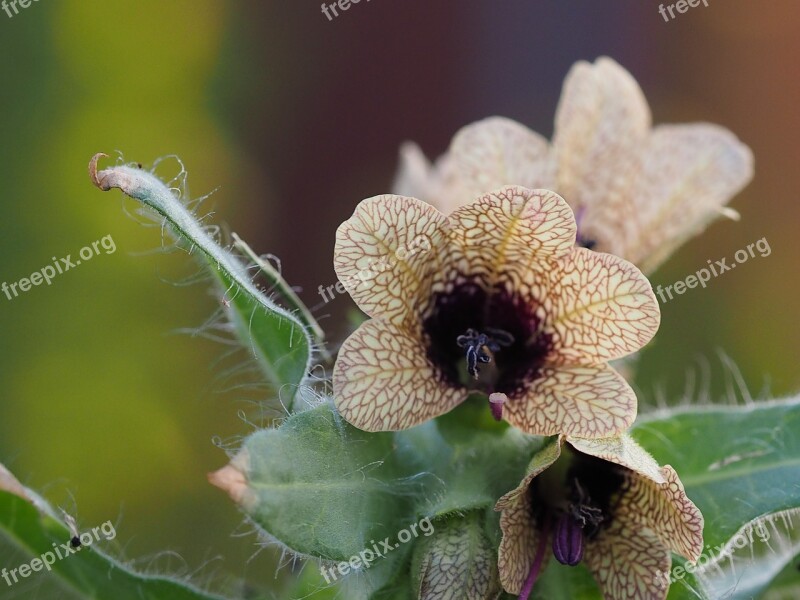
[{"x": 296, "y": 118}]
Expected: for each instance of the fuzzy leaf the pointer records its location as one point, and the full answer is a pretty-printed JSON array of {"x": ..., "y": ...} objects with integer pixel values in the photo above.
[
  {"x": 746, "y": 565},
  {"x": 559, "y": 582},
  {"x": 322, "y": 487},
  {"x": 739, "y": 465},
  {"x": 471, "y": 459},
  {"x": 390, "y": 585},
  {"x": 736, "y": 463},
  {"x": 328, "y": 490},
  {"x": 786, "y": 586},
  {"x": 278, "y": 339},
  {"x": 30, "y": 525}
]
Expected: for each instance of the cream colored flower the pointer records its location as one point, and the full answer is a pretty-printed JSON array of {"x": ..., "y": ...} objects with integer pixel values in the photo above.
[
  {"x": 503, "y": 303},
  {"x": 638, "y": 192},
  {"x": 605, "y": 503}
]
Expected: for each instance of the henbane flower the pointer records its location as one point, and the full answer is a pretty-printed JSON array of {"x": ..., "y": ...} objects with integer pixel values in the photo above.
[
  {"x": 638, "y": 192},
  {"x": 605, "y": 503},
  {"x": 503, "y": 303}
]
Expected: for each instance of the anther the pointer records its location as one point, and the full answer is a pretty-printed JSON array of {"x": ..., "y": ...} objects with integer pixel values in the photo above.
[{"x": 481, "y": 346}]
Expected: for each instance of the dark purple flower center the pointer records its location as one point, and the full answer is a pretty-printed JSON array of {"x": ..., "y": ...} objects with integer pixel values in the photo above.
[
  {"x": 576, "y": 512},
  {"x": 490, "y": 341}
]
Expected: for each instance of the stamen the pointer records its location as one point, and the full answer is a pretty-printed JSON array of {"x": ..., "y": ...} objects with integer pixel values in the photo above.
[
  {"x": 480, "y": 346},
  {"x": 584, "y": 511},
  {"x": 500, "y": 336}
]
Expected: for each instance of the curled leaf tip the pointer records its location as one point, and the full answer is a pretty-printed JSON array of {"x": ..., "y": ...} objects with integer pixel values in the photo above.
[{"x": 98, "y": 181}]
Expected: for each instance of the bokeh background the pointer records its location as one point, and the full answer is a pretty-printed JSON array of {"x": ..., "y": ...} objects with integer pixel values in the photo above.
[{"x": 110, "y": 411}]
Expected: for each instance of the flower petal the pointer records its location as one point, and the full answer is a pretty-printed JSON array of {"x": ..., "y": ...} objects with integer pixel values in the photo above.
[
  {"x": 631, "y": 559},
  {"x": 508, "y": 234},
  {"x": 628, "y": 564},
  {"x": 437, "y": 184},
  {"x": 521, "y": 536},
  {"x": 679, "y": 183},
  {"x": 415, "y": 173},
  {"x": 543, "y": 459},
  {"x": 603, "y": 308},
  {"x": 601, "y": 119},
  {"x": 587, "y": 402},
  {"x": 388, "y": 253},
  {"x": 665, "y": 509},
  {"x": 622, "y": 450},
  {"x": 496, "y": 152},
  {"x": 383, "y": 381},
  {"x": 517, "y": 550}
]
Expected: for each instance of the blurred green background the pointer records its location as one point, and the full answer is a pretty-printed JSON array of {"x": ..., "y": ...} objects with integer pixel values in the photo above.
[{"x": 293, "y": 119}]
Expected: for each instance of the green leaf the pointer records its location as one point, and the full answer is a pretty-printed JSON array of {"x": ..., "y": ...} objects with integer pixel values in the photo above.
[
  {"x": 327, "y": 490},
  {"x": 686, "y": 587},
  {"x": 397, "y": 590},
  {"x": 787, "y": 585},
  {"x": 32, "y": 527},
  {"x": 278, "y": 340},
  {"x": 756, "y": 559},
  {"x": 324, "y": 488},
  {"x": 560, "y": 582},
  {"x": 312, "y": 586},
  {"x": 736, "y": 463},
  {"x": 471, "y": 459},
  {"x": 741, "y": 466},
  {"x": 748, "y": 563},
  {"x": 457, "y": 562},
  {"x": 276, "y": 279}
]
